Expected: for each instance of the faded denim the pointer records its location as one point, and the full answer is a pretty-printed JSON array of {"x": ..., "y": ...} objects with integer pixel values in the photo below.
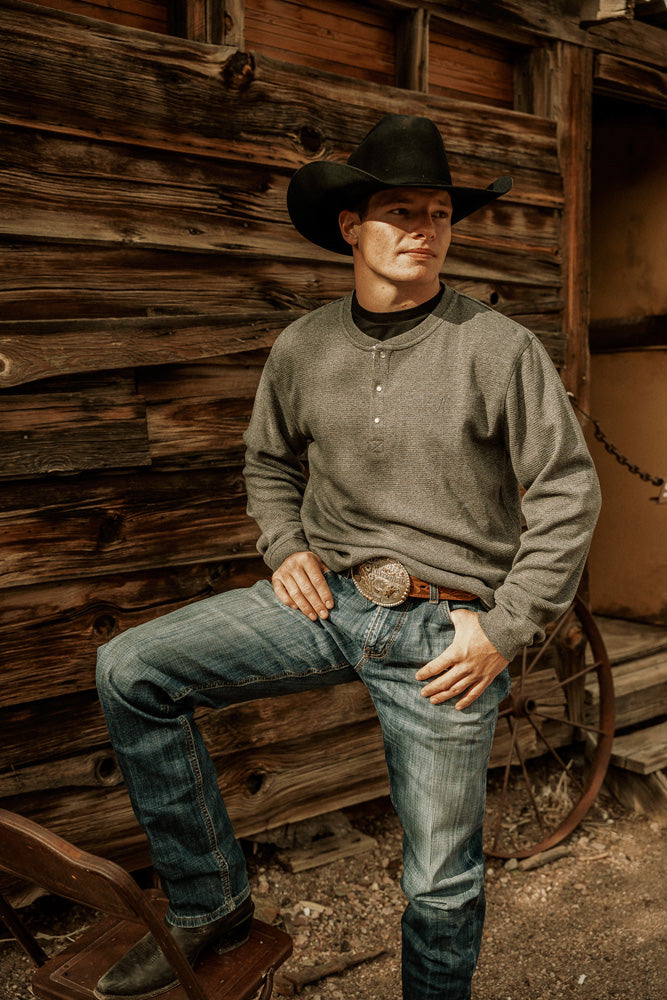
[{"x": 246, "y": 644}]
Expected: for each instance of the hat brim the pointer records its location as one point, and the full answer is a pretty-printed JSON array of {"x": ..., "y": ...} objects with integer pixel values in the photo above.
[{"x": 319, "y": 192}]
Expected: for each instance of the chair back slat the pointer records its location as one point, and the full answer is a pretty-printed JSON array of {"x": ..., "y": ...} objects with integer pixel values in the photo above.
[{"x": 33, "y": 853}]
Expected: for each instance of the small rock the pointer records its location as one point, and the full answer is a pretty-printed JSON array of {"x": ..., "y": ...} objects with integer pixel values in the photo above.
[{"x": 511, "y": 864}]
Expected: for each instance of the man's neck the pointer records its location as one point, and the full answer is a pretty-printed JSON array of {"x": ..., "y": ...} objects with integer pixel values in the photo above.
[{"x": 381, "y": 297}]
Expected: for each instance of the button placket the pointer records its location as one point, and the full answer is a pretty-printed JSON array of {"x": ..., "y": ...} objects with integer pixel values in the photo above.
[{"x": 378, "y": 392}]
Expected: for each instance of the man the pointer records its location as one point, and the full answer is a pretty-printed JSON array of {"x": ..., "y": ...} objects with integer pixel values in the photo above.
[{"x": 398, "y": 559}]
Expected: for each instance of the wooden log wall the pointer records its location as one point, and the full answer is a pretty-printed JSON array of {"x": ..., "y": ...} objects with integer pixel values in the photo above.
[
  {"x": 149, "y": 265},
  {"x": 149, "y": 15}
]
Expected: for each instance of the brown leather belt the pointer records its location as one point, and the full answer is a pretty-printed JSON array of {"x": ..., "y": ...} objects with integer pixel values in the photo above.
[{"x": 419, "y": 588}]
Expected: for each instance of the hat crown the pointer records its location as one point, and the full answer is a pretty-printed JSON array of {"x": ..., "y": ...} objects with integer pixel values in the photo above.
[{"x": 404, "y": 150}]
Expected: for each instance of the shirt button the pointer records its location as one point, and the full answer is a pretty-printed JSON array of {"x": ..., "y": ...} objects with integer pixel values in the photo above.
[
  {"x": 377, "y": 420},
  {"x": 383, "y": 354},
  {"x": 378, "y": 388}
]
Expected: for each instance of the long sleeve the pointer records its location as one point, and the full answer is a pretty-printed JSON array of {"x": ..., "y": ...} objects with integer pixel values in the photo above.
[
  {"x": 560, "y": 506},
  {"x": 274, "y": 472}
]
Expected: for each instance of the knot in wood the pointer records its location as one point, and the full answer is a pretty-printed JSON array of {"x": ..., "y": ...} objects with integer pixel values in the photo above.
[
  {"x": 107, "y": 771},
  {"x": 239, "y": 71},
  {"x": 105, "y": 626},
  {"x": 255, "y": 781},
  {"x": 311, "y": 140},
  {"x": 110, "y": 529}
]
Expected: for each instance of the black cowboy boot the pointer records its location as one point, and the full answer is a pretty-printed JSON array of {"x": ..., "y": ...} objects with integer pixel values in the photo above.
[{"x": 144, "y": 972}]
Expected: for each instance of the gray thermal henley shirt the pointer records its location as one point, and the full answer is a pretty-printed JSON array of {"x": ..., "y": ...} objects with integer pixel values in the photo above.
[{"x": 416, "y": 448}]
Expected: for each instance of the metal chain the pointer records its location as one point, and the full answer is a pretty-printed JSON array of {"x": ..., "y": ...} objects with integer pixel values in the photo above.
[{"x": 600, "y": 436}]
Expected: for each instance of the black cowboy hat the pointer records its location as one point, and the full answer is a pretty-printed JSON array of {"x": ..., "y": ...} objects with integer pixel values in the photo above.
[{"x": 400, "y": 151}]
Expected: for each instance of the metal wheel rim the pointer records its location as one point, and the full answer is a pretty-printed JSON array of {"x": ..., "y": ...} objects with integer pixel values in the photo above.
[{"x": 601, "y": 753}]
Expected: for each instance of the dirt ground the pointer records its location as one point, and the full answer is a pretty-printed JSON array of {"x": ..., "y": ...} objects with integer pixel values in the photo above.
[{"x": 590, "y": 925}]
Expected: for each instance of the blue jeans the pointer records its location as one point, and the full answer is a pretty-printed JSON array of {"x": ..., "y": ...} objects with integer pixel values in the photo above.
[{"x": 246, "y": 644}]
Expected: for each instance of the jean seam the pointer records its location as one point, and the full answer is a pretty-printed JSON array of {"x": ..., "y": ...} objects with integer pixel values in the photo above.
[
  {"x": 256, "y": 679},
  {"x": 203, "y": 808}
]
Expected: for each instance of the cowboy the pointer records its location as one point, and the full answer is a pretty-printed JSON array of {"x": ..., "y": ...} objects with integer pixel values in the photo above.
[{"x": 397, "y": 557}]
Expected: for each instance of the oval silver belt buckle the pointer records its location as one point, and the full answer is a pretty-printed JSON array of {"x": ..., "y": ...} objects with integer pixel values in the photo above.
[{"x": 382, "y": 580}]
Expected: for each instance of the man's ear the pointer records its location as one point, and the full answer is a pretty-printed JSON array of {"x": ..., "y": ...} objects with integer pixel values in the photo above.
[{"x": 349, "y": 222}]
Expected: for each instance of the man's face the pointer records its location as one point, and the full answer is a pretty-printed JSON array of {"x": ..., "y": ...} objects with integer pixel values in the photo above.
[{"x": 402, "y": 239}]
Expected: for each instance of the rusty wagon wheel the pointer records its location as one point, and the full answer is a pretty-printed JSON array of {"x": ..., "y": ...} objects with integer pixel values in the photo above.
[{"x": 561, "y": 711}]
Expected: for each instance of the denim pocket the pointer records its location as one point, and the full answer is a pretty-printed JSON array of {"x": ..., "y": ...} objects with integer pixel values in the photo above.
[{"x": 445, "y": 611}]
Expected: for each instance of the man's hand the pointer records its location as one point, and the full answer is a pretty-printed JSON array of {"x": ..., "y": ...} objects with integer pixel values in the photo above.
[
  {"x": 470, "y": 664},
  {"x": 299, "y": 583}
]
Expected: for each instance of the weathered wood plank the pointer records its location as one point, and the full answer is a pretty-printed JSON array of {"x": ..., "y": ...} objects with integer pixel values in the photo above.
[
  {"x": 343, "y": 38},
  {"x": 640, "y": 691},
  {"x": 543, "y": 20},
  {"x": 642, "y": 793},
  {"x": 629, "y": 640},
  {"x": 514, "y": 20},
  {"x": 197, "y": 415},
  {"x": 100, "y": 428},
  {"x": 140, "y": 14},
  {"x": 41, "y": 281},
  {"x": 61, "y": 284},
  {"x": 559, "y": 85},
  {"x": 89, "y": 64},
  {"x": 88, "y": 83},
  {"x": 182, "y": 202},
  {"x": 643, "y": 751},
  {"x": 50, "y": 633},
  {"x": 630, "y": 80},
  {"x": 637, "y": 42},
  {"x": 99, "y": 527},
  {"x": 197, "y": 433},
  {"x": 38, "y": 348},
  {"x": 470, "y": 66}
]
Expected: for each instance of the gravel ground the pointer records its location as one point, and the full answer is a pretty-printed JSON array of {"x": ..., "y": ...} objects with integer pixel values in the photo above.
[{"x": 590, "y": 925}]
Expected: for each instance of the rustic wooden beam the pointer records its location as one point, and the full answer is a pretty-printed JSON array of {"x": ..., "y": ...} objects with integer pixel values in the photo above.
[
  {"x": 633, "y": 40},
  {"x": 512, "y": 19},
  {"x": 88, "y": 85},
  {"x": 104, "y": 525},
  {"x": 632, "y": 334},
  {"x": 36, "y": 349},
  {"x": 218, "y": 22},
  {"x": 412, "y": 50},
  {"x": 63, "y": 282},
  {"x": 103, "y": 427},
  {"x": 558, "y": 83},
  {"x": 50, "y": 633},
  {"x": 630, "y": 81}
]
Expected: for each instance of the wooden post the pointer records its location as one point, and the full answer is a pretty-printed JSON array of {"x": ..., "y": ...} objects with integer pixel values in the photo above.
[
  {"x": 557, "y": 82},
  {"x": 412, "y": 33},
  {"x": 218, "y": 22}
]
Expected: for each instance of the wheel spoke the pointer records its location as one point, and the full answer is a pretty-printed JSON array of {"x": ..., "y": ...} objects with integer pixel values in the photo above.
[
  {"x": 570, "y": 678},
  {"x": 570, "y": 722},
  {"x": 552, "y": 750},
  {"x": 501, "y": 805},
  {"x": 526, "y": 779}
]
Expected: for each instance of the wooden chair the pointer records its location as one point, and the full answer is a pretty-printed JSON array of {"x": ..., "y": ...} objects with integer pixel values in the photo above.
[{"x": 32, "y": 852}]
